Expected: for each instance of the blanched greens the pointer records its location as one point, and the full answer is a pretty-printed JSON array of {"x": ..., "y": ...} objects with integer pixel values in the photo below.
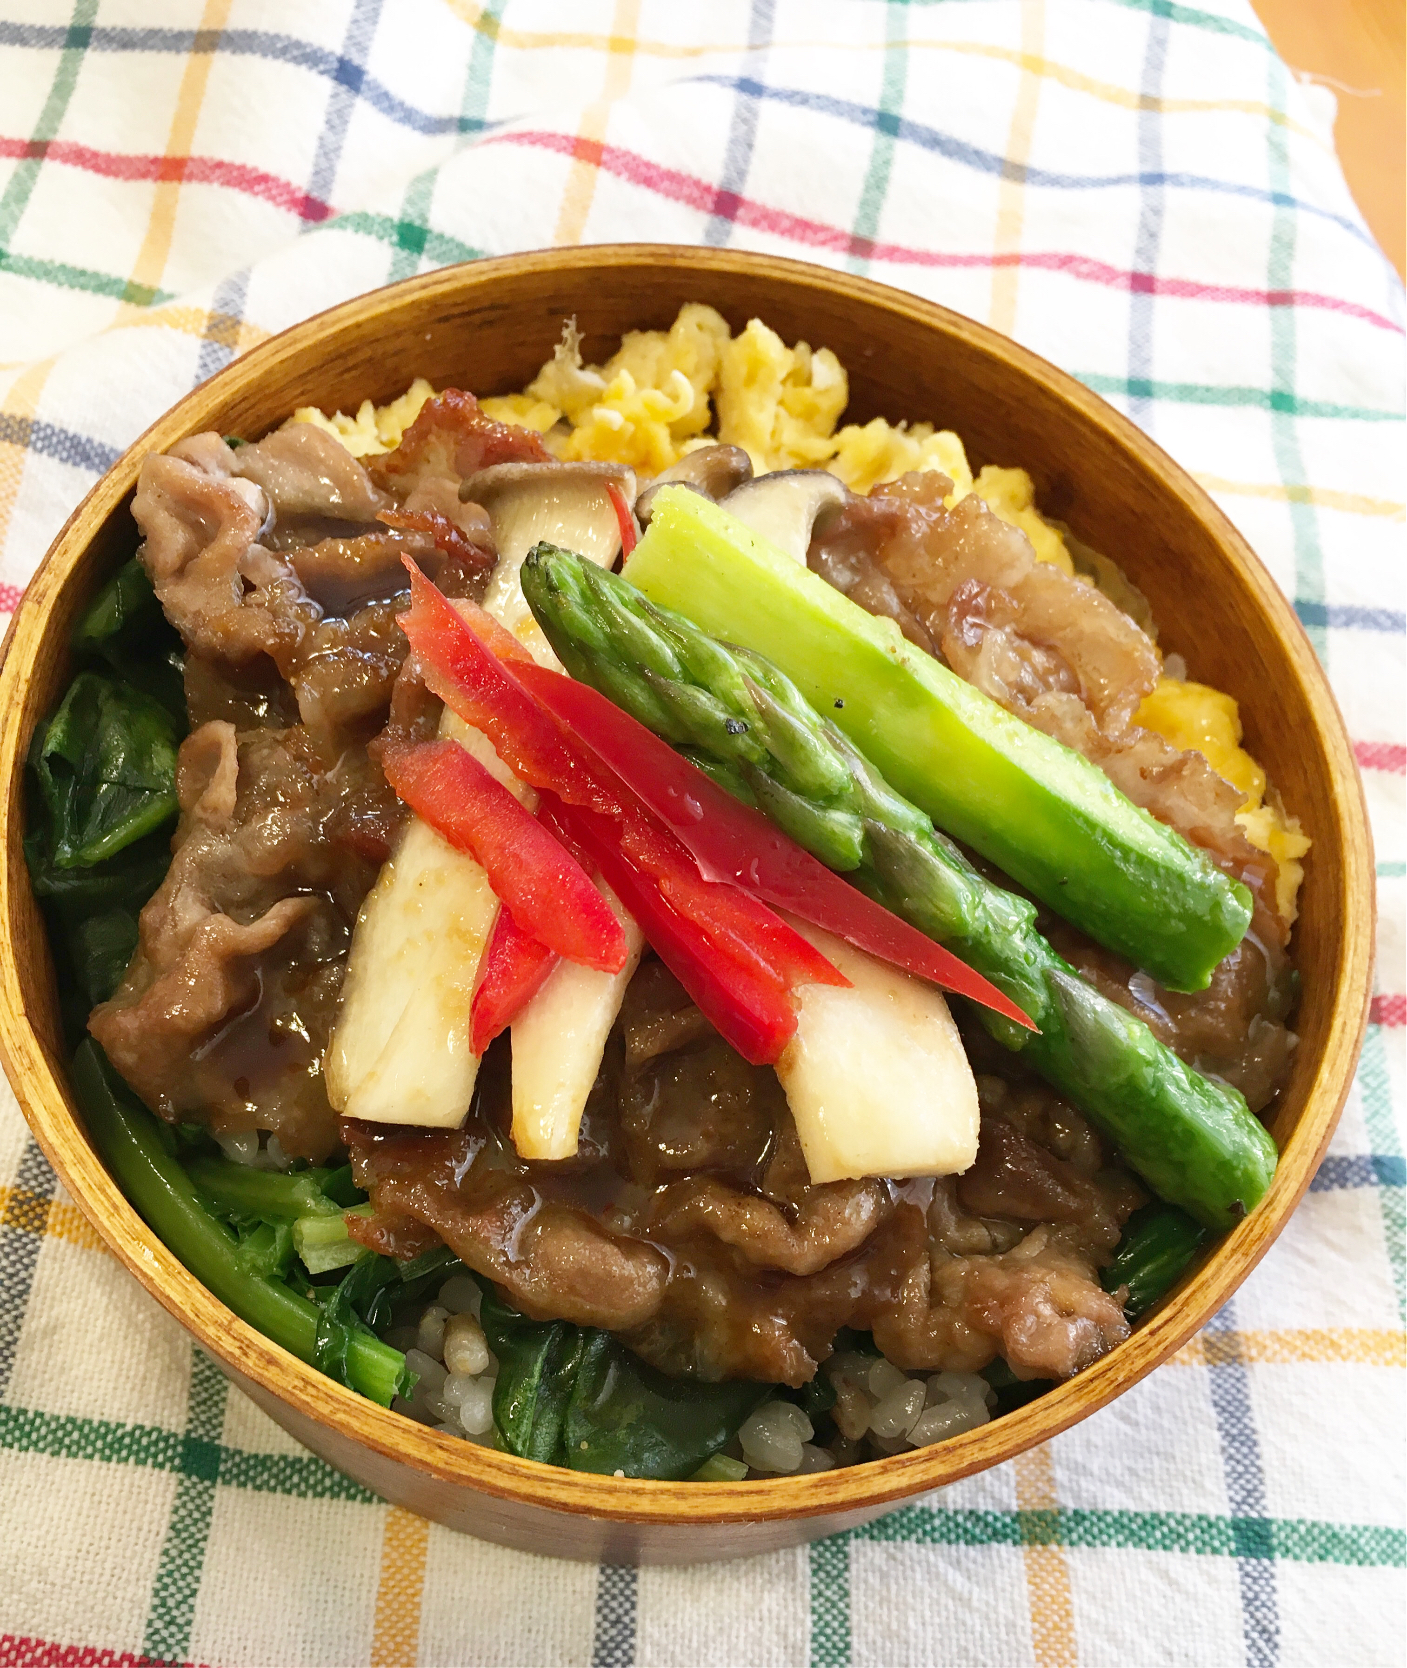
[
  {"x": 575, "y": 1396},
  {"x": 103, "y": 789}
]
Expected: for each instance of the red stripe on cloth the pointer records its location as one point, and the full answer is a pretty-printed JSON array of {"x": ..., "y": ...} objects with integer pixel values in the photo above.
[
  {"x": 19, "y": 1652},
  {"x": 1388, "y": 1010},
  {"x": 1381, "y": 755},
  {"x": 815, "y": 234},
  {"x": 196, "y": 170},
  {"x": 10, "y": 598}
]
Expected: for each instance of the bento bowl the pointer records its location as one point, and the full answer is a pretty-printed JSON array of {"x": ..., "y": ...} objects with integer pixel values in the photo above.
[{"x": 487, "y": 327}]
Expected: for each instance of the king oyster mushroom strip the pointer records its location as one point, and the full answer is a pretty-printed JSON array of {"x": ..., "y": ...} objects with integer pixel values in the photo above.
[{"x": 400, "y": 1052}]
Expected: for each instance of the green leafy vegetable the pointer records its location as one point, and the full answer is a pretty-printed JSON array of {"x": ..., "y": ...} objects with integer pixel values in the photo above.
[
  {"x": 1159, "y": 1242},
  {"x": 105, "y": 765},
  {"x": 125, "y": 627},
  {"x": 576, "y": 1396},
  {"x": 323, "y": 1243},
  {"x": 125, "y": 1134}
]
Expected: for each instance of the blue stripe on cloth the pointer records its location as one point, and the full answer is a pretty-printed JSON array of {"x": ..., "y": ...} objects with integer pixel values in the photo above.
[
  {"x": 1347, "y": 1170},
  {"x": 613, "y": 1641},
  {"x": 1245, "y": 1495},
  {"x": 1024, "y": 173},
  {"x": 1150, "y": 219},
  {"x": 226, "y": 310},
  {"x": 742, "y": 135},
  {"x": 249, "y": 43},
  {"x": 1347, "y": 616},
  {"x": 21, "y": 1235},
  {"x": 342, "y": 97},
  {"x": 80, "y": 451}
]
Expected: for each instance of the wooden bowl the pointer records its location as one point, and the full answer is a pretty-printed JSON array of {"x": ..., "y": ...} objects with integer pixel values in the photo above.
[{"x": 487, "y": 327}]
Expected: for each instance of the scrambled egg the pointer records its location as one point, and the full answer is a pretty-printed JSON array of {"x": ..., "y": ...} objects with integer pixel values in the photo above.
[
  {"x": 663, "y": 392},
  {"x": 1197, "y": 718},
  {"x": 374, "y": 428}
]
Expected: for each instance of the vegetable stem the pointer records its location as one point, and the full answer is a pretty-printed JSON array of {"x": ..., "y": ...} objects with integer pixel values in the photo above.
[{"x": 126, "y": 1136}]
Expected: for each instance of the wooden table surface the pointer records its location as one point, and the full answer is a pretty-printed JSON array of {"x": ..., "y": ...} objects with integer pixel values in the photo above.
[{"x": 1356, "y": 48}]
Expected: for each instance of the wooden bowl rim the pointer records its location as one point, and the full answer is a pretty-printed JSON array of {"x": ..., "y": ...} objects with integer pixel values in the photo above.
[{"x": 42, "y": 1093}]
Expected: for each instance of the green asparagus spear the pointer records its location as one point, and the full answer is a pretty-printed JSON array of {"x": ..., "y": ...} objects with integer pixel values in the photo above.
[
  {"x": 1042, "y": 813},
  {"x": 126, "y": 1135},
  {"x": 1192, "y": 1140}
]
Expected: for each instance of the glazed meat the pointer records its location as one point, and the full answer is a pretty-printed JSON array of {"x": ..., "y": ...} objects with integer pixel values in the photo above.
[
  {"x": 281, "y": 564},
  {"x": 687, "y": 1222},
  {"x": 226, "y": 1008}
]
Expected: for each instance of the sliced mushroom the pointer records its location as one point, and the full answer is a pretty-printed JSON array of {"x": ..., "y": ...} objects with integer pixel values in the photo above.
[
  {"x": 712, "y": 470},
  {"x": 783, "y": 507},
  {"x": 564, "y": 503}
]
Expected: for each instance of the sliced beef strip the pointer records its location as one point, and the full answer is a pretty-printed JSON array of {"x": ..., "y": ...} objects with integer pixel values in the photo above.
[
  {"x": 226, "y": 1008},
  {"x": 689, "y": 1226},
  {"x": 323, "y": 613}
]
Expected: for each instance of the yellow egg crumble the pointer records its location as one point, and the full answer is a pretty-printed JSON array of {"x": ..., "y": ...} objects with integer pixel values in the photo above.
[
  {"x": 666, "y": 392},
  {"x": 1194, "y": 717}
]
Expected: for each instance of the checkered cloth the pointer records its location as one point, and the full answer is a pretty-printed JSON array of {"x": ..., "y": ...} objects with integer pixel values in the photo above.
[{"x": 1138, "y": 190}]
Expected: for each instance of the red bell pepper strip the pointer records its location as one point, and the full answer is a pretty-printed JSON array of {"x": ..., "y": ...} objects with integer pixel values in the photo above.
[
  {"x": 474, "y": 674},
  {"x": 489, "y": 693},
  {"x": 749, "y": 1012},
  {"x": 516, "y": 966},
  {"x": 550, "y": 894},
  {"x": 731, "y": 841},
  {"x": 624, "y": 519},
  {"x": 737, "y": 924}
]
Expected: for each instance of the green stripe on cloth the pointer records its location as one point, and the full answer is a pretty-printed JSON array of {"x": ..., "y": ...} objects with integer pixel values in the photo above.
[
  {"x": 62, "y": 275},
  {"x": 1207, "y": 393},
  {"x": 1302, "y": 1540},
  {"x": 67, "y": 1436},
  {"x": 830, "y": 1602},
  {"x": 441, "y": 249},
  {"x": 893, "y": 81},
  {"x": 15, "y": 198},
  {"x": 177, "y": 1581}
]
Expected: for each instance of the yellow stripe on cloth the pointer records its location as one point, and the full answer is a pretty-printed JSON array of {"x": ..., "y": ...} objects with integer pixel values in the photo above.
[
  {"x": 1011, "y": 198},
  {"x": 31, "y": 1213},
  {"x": 395, "y": 1640},
  {"x": 21, "y": 401},
  {"x": 150, "y": 265},
  {"x": 1360, "y": 1346},
  {"x": 1047, "y": 1572},
  {"x": 580, "y": 188},
  {"x": 1324, "y": 498}
]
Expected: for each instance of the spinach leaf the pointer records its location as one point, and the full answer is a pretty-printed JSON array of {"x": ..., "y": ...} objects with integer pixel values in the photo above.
[
  {"x": 92, "y": 917},
  {"x": 105, "y": 765},
  {"x": 357, "y": 1306},
  {"x": 576, "y": 1396},
  {"x": 125, "y": 627},
  {"x": 537, "y": 1367},
  {"x": 626, "y": 1416}
]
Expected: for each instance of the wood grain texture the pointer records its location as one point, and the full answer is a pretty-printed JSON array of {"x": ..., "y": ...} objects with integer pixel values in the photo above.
[{"x": 487, "y": 327}]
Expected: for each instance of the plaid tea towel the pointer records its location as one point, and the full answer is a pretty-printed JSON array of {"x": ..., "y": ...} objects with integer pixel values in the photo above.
[{"x": 1135, "y": 188}]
